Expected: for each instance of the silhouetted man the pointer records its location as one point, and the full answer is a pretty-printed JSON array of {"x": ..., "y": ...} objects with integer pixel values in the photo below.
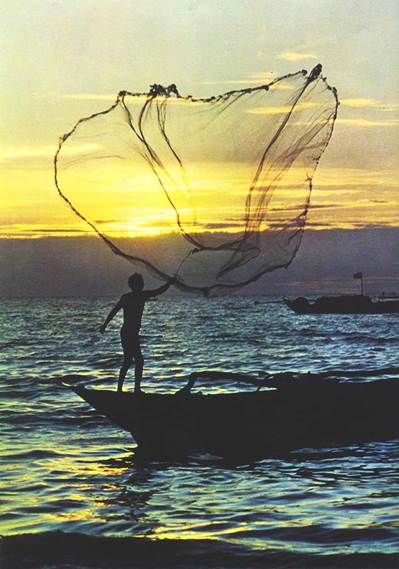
[{"x": 133, "y": 306}]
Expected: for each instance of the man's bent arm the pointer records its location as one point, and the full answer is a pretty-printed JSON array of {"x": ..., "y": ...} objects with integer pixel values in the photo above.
[{"x": 110, "y": 316}]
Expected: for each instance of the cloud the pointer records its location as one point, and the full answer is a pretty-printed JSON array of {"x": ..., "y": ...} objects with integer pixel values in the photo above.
[
  {"x": 105, "y": 221},
  {"x": 314, "y": 224},
  {"x": 358, "y": 122},
  {"x": 25, "y": 151},
  {"x": 46, "y": 230},
  {"x": 365, "y": 225},
  {"x": 296, "y": 56},
  {"x": 258, "y": 78},
  {"x": 29, "y": 231},
  {"x": 363, "y": 103},
  {"x": 11, "y": 152},
  {"x": 367, "y": 123},
  {"x": 282, "y": 110},
  {"x": 300, "y": 207},
  {"x": 221, "y": 225}
]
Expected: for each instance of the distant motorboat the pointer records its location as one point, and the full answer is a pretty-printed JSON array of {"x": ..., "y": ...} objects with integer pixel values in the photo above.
[{"x": 346, "y": 304}]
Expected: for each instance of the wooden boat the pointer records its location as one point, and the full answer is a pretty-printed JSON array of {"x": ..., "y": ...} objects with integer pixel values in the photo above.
[
  {"x": 286, "y": 414},
  {"x": 350, "y": 304}
]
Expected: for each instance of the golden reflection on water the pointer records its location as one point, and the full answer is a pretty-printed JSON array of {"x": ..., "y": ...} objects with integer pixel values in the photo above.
[{"x": 193, "y": 531}]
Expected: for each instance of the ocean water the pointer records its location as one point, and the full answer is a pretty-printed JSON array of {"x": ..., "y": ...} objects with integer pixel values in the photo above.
[{"x": 66, "y": 469}]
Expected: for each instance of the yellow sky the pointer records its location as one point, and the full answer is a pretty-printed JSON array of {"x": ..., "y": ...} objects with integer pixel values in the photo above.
[{"x": 65, "y": 60}]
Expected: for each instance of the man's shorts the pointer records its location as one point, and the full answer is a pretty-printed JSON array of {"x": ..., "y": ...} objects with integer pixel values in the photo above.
[{"x": 130, "y": 340}]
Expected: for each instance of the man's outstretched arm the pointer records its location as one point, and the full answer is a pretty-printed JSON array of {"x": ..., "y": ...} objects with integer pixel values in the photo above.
[
  {"x": 161, "y": 289},
  {"x": 110, "y": 316}
]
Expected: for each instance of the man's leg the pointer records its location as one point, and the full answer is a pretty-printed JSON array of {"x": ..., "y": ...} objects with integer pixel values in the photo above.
[
  {"x": 127, "y": 361},
  {"x": 138, "y": 372},
  {"x": 139, "y": 364}
]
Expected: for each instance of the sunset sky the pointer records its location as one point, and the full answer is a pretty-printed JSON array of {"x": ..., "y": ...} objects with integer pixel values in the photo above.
[{"x": 62, "y": 60}]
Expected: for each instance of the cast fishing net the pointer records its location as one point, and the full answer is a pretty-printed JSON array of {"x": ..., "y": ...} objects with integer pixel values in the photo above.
[{"x": 213, "y": 190}]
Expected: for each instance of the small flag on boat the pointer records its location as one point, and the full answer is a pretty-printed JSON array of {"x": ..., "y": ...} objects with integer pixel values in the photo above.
[{"x": 358, "y": 276}]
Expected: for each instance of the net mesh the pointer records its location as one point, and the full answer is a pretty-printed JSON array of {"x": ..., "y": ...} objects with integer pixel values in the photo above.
[{"x": 214, "y": 191}]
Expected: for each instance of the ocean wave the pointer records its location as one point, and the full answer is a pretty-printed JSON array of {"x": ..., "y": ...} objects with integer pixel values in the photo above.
[{"x": 32, "y": 454}]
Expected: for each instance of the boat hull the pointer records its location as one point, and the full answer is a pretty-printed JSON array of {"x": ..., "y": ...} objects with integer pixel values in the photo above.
[
  {"x": 298, "y": 414},
  {"x": 343, "y": 305}
]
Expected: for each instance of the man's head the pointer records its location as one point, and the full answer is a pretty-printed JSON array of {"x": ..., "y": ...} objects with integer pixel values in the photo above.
[{"x": 136, "y": 282}]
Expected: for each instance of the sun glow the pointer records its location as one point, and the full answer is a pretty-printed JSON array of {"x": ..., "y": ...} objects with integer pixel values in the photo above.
[{"x": 127, "y": 203}]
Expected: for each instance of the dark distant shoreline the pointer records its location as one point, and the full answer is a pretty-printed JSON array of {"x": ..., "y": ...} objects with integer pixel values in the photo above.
[
  {"x": 55, "y": 550},
  {"x": 84, "y": 266}
]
